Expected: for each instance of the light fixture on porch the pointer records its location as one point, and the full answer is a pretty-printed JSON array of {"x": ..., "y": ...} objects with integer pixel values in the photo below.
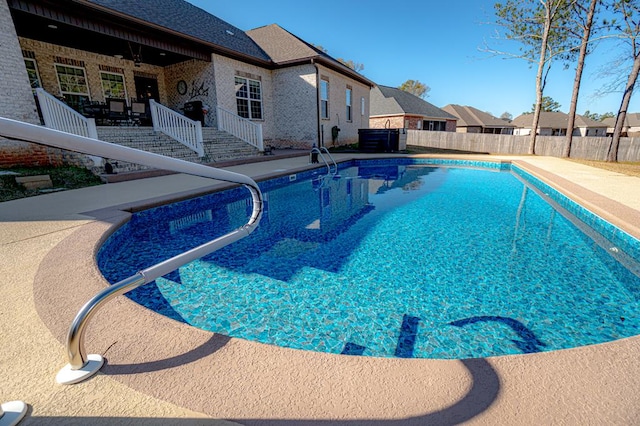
[{"x": 137, "y": 57}]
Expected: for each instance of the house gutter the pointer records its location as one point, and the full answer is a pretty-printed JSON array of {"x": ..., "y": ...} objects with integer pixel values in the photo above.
[{"x": 319, "y": 130}]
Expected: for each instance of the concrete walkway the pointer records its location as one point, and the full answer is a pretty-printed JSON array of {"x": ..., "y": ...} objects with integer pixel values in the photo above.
[{"x": 161, "y": 372}]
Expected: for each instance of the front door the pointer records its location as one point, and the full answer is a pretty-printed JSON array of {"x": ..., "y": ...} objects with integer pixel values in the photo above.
[{"x": 146, "y": 88}]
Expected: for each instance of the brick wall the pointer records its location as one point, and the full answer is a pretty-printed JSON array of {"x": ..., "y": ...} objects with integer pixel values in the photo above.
[
  {"x": 396, "y": 122},
  {"x": 201, "y": 86},
  {"x": 16, "y": 97},
  {"x": 296, "y": 115},
  {"x": 225, "y": 72},
  {"x": 47, "y": 54},
  {"x": 337, "y": 108}
]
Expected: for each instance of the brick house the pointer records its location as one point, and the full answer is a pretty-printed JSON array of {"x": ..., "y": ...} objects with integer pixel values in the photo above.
[
  {"x": 397, "y": 109},
  {"x": 555, "y": 124},
  {"x": 175, "y": 53},
  {"x": 472, "y": 120}
]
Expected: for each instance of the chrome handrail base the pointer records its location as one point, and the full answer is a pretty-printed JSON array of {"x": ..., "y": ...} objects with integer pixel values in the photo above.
[
  {"x": 69, "y": 376},
  {"x": 12, "y": 412}
]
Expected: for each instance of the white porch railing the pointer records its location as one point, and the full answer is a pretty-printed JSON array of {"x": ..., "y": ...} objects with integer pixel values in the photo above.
[
  {"x": 241, "y": 128},
  {"x": 186, "y": 131},
  {"x": 59, "y": 116}
]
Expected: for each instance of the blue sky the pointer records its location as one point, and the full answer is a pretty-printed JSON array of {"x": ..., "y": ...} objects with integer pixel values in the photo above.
[{"x": 437, "y": 43}]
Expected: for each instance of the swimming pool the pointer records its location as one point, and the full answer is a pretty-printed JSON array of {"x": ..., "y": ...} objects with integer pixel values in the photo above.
[{"x": 393, "y": 258}]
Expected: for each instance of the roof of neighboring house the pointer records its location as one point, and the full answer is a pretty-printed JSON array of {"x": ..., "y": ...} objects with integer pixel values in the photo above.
[
  {"x": 631, "y": 120},
  {"x": 473, "y": 117},
  {"x": 555, "y": 120},
  {"x": 285, "y": 48},
  {"x": 392, "y": 101},
  {"x": 184, "y": 18}
]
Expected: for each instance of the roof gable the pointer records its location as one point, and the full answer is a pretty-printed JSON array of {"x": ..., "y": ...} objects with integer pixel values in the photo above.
[
  {"x": 286, "y": 49},
  {"x": 281, "y": 45},
  {"x": 387, "y": 100},
  {"x": 473, "y": 117},
  {"x": 184, "y": 18}
]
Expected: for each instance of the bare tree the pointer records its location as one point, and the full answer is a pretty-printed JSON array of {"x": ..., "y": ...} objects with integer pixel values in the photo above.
[
  {"x": 630, "y": 31},
  {"x": 540, "y": 26},
  {"x": 579, "y": 11}
]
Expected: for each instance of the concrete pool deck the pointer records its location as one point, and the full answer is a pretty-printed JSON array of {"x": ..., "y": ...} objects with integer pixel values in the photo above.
[{"x": 159, "y": 371}]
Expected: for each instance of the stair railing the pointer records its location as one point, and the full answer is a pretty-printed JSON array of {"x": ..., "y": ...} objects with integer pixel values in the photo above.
[
  {"x": 240, "y": 127},
  {"x": 81, "y": 366},
  {"x": 59, "y": 116},
  {"x": 175, "y": 125}
]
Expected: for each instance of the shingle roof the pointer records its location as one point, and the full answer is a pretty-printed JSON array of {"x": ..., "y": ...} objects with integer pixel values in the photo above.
[
  {"x": 555, "y": 120},
  {"x": 281, "y": 45},
  {"x": 632, "y": 120},
  {"x": 473, "y": 117},
  {"x": 187, "y": 19},
  {"x": 390, "y": 100},
  {"x": 285, "y": 48}
]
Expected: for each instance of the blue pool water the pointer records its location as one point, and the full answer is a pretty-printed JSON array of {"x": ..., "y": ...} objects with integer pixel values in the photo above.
[{"x": 393, "y": 259}]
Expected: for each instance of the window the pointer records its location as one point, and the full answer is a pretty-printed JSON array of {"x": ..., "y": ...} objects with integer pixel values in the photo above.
[
  {"x": 438, "y": 126},
  {"x": 324, "y": 98},
  {"x": 348, "y": 97},
  {"x": 362, "y": 106},
  {"x": 32, "y": 71},
  {"x": 73, "y": 85},
  {"x": 249, "y": 98},
  {"x": 113, "y": 85}
]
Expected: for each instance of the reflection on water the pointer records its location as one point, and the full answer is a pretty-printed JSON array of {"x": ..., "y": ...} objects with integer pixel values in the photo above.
[{"x": 386, "y": 260}]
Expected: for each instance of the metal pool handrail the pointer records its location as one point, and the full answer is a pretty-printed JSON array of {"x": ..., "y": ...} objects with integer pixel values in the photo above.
[
  {"x": 315, "y": 150},
  {"x": 81, "y": 366},
  {"x": 324, "y": 148}
]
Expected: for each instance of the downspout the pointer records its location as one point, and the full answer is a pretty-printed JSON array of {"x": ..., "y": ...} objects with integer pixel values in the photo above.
[{"x": 319, "y": 131}]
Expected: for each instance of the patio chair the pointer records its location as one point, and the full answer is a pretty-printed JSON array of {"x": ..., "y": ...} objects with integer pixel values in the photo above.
[
  {"x": 117, "y": 111},
  {"x": 139, "y": 113}
]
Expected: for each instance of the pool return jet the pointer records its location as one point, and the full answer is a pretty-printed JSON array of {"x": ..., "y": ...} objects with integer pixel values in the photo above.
[{"x": 82, "y": 366}]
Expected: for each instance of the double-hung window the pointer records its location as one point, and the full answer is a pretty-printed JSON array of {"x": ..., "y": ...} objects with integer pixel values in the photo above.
[
  {"x": 32, "y": 71},
  {"x": 249, "y": 98},
  {"x": 348, "y": 97},
  {"x": 73, "y": 85},
  {"x": 324, "y": 98},
  {"x": 113, "y": 85}
]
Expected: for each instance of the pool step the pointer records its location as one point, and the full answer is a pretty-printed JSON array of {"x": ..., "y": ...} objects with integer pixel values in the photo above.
[{"x": 406, "y": 340}]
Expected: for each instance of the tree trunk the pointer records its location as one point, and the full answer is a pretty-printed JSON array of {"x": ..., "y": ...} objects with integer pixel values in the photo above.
[
  {"x": 578, "y": 78},
  {"x": 612, "y": 155},
  {"x": 539, "y": 83}
]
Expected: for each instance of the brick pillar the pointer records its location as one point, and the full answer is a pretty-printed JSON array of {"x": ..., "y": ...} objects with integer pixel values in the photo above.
[{"x": 16, "y": 97}]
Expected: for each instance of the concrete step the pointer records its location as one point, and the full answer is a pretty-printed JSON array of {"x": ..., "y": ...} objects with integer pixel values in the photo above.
[{"x": 218, "y": 146}]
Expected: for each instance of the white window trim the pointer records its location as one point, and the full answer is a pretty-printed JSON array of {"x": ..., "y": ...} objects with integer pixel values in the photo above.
[
  {"x": 124, "y": 84},
  {"x": 55, "y": 69},
  {"x": 362, "y": 106},
  {"x": 349, "y": 104},
  {"x": 35, "y": 66},
  {"x": 325, "y": 117},
  {"x": 248, "y": 98}
]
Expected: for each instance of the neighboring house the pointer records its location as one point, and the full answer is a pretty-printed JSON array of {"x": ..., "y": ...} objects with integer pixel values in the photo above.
[
  {"x": 173, "y": 52},
  {"x": 395, "y": 108},
  {"x": 555, "y": 124},
  {"x": 472, "y": 120},
  {"x": 630, "y": 128}
]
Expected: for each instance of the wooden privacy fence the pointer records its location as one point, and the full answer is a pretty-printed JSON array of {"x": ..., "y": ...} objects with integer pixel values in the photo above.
[{"x": 587, "y": 148}]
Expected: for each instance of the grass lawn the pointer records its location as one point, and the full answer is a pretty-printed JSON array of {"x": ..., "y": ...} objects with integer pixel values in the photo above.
[{"x": 66, "y": 177}]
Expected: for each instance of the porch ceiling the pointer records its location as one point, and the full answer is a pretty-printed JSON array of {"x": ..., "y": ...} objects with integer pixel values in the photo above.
[{"x": 92, "y": 31}]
